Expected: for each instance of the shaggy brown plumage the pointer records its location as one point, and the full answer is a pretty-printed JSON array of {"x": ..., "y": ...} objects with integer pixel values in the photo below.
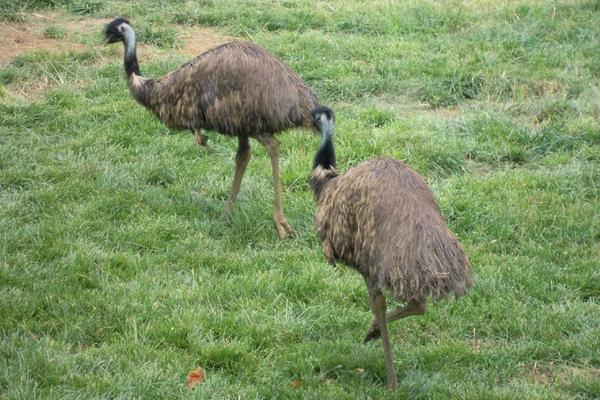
[
  {"x": 381, "y": 219},
  {"x": 237, "y": 89}
]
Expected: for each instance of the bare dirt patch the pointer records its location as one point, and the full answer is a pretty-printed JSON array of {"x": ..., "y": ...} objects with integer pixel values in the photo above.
[
  {"x": 195, "y": 41},
  {"x": 549, "y": 373},
  {"x": 17, "y": 38}
]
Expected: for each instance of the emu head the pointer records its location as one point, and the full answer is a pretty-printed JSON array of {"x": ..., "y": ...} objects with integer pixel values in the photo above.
[
  {"x": 321, "y": 115},
  {"x": 114, "y": 31}
]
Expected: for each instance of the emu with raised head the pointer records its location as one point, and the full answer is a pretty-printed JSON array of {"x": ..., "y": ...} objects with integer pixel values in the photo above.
[{"x": 237, "y": 89}]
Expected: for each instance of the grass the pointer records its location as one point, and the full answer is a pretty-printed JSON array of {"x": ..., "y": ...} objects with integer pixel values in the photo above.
[
  {"x": 117, "y": 277},
  {"x": 55, "y": 32}
]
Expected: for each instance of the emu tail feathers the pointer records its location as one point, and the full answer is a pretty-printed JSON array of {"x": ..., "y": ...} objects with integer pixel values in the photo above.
[{"x": 433, "y": 264}]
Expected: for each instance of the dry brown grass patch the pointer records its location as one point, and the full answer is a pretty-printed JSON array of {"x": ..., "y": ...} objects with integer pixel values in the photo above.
[
  {"x": 18, "y": 38},
  {"x": 195, "y": 41},
  {"x": 551, "y": 374},
  {"x": 406, "y": 107}
]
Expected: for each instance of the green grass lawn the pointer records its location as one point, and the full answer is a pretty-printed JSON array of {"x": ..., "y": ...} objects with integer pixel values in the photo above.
[{"x": 117, "y": 278}]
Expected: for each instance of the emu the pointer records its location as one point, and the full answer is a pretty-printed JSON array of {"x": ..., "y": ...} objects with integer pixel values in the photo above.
[
  {"x": 381, "y": 219},
  {"x": 237, "y": 89}
]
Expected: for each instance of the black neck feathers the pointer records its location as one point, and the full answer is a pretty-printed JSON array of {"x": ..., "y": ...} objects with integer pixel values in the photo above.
[
  {"x": 323, "y": 120},
  {"x": 131, "y": 63},
  {"x": 324, "y": 165},
  {"x": 325, "y": 157}
]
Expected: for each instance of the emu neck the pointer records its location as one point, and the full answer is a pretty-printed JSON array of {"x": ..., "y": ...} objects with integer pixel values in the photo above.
[
  {"x": 325, "y": 157},
  {"x": 324, "y": 165},
  {"x": 131, "y": 62},
  {"x": 140, "y": 88}
]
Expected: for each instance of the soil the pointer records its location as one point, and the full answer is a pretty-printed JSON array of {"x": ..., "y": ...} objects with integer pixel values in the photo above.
[
  {"x": 21, "y": 37},
  {"x": 18, "y": 38}
]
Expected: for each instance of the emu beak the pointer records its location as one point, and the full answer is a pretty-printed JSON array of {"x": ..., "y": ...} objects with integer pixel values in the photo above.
[{"x": 107, "y": 40}]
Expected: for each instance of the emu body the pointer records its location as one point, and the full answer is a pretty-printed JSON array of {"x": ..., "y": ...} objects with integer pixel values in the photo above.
[
  {"x": 237, "y": 89},
  {"x": 381, "y": 219}
]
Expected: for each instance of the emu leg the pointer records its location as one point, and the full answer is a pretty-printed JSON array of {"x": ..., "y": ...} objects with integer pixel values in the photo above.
[
  {"x": 377, "y": 302},
  {"x": 412, "y": 308},
  {"x": 272, "y": 146},
  {"x": 200, "y": 139},
  {"x": 242, "y": 158},
  {"x": 328, "y": 251}
]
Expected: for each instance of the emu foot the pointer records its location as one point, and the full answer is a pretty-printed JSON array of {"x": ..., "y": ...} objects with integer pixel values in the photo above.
[
  {"x": 227, "y": 210},
  {"x": 373, "y": 333},
  {"x": 284, "y": 229},
  {"x": 202, "y": 141},
  {"x": 226, "y": 215},
  {"x": 205, "y": 147}
]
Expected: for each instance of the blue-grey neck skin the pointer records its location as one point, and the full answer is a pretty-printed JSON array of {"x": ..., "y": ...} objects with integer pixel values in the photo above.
[
  {"x": 129, "y": 39},
  {"x": 131, "y": 62},
  {"x": 326, "y": 128},
  {"x": 325, "y": 157}
]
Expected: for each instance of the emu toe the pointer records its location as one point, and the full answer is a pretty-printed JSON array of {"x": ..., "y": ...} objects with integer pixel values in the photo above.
[
  {"x": 201, "y": 140},
  {"x": 373, "y": 334},
  {"x": 205, "y": 147},
  {"x": 284, "y": 229}
]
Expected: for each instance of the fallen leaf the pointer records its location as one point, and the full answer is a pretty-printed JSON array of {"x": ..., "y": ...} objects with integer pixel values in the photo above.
[
  {"x": 195, "y": 377},
  {"x": 297, "y": 383},
  {"x": 359, "y": 370}
]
